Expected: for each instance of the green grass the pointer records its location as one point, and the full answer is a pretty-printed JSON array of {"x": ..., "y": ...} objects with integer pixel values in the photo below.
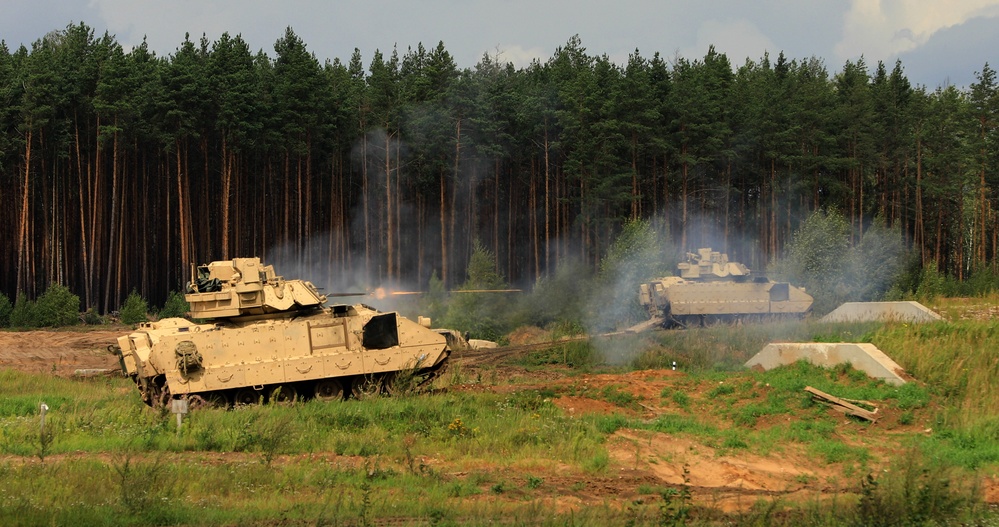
[{"x": 110, "y": 460}]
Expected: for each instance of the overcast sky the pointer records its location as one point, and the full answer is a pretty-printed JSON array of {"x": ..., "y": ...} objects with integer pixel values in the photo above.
[{"x": 939, "y": 42}]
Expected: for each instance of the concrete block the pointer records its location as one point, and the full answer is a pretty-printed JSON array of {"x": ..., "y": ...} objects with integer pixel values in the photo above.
[
  {"x": 862, "y": 356},
  {"x": 882, "y": 311}
]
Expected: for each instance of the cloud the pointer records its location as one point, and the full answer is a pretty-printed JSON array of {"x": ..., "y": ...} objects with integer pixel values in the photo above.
[
  {"x": 739, "y": 39},
  {"x": 520, "y": 56},
  {"x": 879, "y": 29},
  {"x": 953, "y": 55}
]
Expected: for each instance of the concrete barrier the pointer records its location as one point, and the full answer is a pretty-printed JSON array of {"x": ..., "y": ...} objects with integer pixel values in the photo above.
[
  {"x": 862, "y": 356},
  {"x": 882, "y": 311}
]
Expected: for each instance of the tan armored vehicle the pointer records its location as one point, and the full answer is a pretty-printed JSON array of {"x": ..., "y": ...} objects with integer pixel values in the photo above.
[
  {"x": 267, "y": 338},
  {"x": 710, "y": 288}
]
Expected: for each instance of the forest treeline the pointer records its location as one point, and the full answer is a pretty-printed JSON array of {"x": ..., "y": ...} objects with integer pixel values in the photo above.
[{"x": 119, "y": 168}]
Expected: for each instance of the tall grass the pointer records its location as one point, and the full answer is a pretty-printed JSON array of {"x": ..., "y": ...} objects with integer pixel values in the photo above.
[
  {"x": 277, "y": 461},
  {"x": 959, "y": 364},
  {"x": 728, "y": 347},
  {"x": 464, "y": 457},
  {"x": 958, "y": 360}
]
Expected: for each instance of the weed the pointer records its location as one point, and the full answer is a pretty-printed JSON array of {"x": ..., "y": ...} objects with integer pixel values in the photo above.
[
  {"x": 407, "y": 446},
  {"x": 574, "y": 354},
  {"x": 748, "y": 414},
  {"x": 675, "y": 507},
  {"x": 608, "y": 424},
  {"x": 405, "y": 382},
  {"x": 598, "y": 462},
  {"x": 365, "y": 507},
  {"x": 675, "y": 424},
  {"x": 836, "y": 452},
  {"x": 141, "y": 486},
  {"x": 721, "y": 389},
  {"x": 532, "y": 400},
  {"x": 461, "y": 489},
  {"x": 45, "y": 439},
  {"x": 534, "y": 482},
  {"x": 734, "y": 439},
  {"x": 457, "y": 429},
  {"x": 920, "y": 493},
  {"x": 613, "y": 395},
  {"x": 805, "y": 479},
  {"x": 269, "y": 436},
  {"x": 681, "y": 399}
]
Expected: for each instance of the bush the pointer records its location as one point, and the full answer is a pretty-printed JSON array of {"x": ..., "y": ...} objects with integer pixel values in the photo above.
[
  {"x": 92, "y": 318},
  {"x": 57, "y": 307},
  {"x": 175, "y": 307},
  {"x": 482, "y": 315},
  {"x": 639, "y": 253},
  {"x": 932, "y": 284},
  {"x": 134, "y": 310},
  {"x": 5, "y": 309},
  {"x": 820, "y": 258},
  {"x": 558, "y": 298},
  {"x": 23, "y": 314}
]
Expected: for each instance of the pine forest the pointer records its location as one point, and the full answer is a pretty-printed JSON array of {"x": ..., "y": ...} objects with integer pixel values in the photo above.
[{"x": 120, "y": 168}]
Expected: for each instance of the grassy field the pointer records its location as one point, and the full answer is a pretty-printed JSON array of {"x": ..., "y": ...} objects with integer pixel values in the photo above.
[{"x": 490, "y": 445}]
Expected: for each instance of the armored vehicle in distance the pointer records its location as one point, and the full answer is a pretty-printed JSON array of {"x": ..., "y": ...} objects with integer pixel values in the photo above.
[
  {"x": 710, "y": 288},
  {"x": 267, "y": 338}
]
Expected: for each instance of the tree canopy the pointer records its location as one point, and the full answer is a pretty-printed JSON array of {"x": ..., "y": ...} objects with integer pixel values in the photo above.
[{"x": 120, "y": 168}]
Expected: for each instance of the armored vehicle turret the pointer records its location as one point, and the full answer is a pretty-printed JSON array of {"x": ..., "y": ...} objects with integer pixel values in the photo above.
[
  {"x": 261, "y": 337},
  {"x": 711, "y": 288}
]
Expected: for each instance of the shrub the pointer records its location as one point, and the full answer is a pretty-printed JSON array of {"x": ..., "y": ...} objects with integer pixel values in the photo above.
[
  {"x": 134, "y": 309},
  {"x": 821, "y": 258},
  {"x": 639, "y": 253},
  {"x": 175, "y": 306},
  {"x": 932, "y": 284},
  {"x": 483, "y": 315},
  {"x": 92, "y": 318},
  {"x": 56, "y": 307},
  {"x": 5, "y": 309},
  {"x": 23, "y": 314}
]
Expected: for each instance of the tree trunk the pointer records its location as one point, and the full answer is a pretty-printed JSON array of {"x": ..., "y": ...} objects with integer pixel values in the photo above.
[
  {"x": 548, "y": 247},
  {"x": 920, "y": 228},
  {"x": 389, "y": 230},
  {"x": 23, "y": 227},
  {"x": 181, "y": 215},
  {"x": 87, "y": 286},
  {"x": 454, "y": 193},
  {"x": 443, "y": 216},
  {"x": 112, "y": 240},
  {"x": 496, "y": 178},
  {"x": 226, "y": 189},
  {"x": 534, "y": 221},
  {"x": 364, "y": 201},
  {"x": 683, "y": 198}
]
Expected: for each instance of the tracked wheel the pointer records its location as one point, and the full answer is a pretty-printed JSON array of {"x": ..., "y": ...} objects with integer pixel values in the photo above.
[
  {"x": 283, "y": 394},
  {"x": 365, "y": 386},
  {"x": 217, "y": 400},
  {"x": 196, "y": 402},
  {"x": 390, "y": 384},
  {"x": 246, "y": 397},
  {"x": 328, "y": 390},
  {"x": 207, "y": 400}
]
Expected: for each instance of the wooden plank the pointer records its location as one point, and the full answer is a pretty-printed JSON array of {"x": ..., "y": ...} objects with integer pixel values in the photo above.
[{"x": 842, "y": 405}]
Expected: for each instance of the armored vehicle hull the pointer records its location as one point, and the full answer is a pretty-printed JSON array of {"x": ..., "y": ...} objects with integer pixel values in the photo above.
[
  {"x": 712, "y": 289},
  {"x": 273, "y": 340}
]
